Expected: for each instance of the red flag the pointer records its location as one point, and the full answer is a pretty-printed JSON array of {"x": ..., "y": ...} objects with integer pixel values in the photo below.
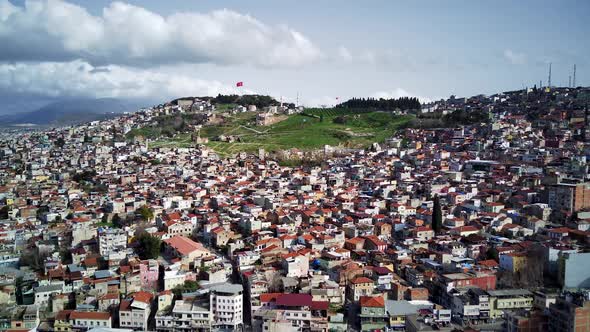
[{"x": 240, "y": 84}]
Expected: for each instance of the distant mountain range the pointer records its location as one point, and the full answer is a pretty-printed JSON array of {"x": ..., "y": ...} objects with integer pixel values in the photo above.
[{"x": 73, "y": 111}]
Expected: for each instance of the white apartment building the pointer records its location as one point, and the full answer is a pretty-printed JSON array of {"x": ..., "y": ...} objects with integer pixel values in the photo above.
[
  {"x": 90, "y": 319},
  {"x": 227, "y": 305},
  {"x": 111, "y": 240},
  {"x": 296, "y": 265},
  {"x": 187, "y": 315}
]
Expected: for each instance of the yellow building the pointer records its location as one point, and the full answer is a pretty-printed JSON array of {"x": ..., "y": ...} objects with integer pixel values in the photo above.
[
  {"x": 509, "y": 299},
  {"x": 513, "y": 262},
  {"x": 361, "y": 286}
]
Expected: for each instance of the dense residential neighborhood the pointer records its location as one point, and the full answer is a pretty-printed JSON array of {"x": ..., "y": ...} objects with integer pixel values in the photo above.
[{"x": 479, "y": 226}]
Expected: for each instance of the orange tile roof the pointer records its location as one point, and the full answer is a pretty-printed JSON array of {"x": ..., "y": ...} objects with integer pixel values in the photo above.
[
  {"x": 90, "y": 315},
  {"x": 362, "y": 280},
  {"x": 268, "y": 297},
  {"x": 142, "y": 296},
  {"x": 183, "y": 244},
  {"x": 373, "y": 302}
]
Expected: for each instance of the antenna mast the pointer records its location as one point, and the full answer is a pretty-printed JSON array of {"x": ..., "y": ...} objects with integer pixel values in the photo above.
[{"x": 549, "y": 80}]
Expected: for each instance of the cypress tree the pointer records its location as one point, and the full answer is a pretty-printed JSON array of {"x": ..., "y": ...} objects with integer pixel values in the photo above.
[{"x": 436, "y": 215}]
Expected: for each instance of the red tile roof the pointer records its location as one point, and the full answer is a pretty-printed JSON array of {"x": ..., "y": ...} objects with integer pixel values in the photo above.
[
  {"x": 320, "y": 305},
  {"x": 294, "y": 300}
]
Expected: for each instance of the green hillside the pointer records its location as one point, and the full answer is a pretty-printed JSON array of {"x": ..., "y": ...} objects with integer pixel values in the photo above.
[{"x": 311, "y": 130}]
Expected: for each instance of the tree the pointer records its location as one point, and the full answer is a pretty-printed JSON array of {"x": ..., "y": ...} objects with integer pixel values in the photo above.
[
  {"x": 42, "y": 211},
  {"x": 437, "y": 215},
  {"x": 117, "y": 221},
  {"x": 148, "y": 246},
  {"x": 145, "y": 212},
  {"x": 188, "y": 287},
  {"x": 492, "y": 253},
  {"x": 18, "y": 284},
  {"x": 4, "y": 212},
  {"x": 403, "y": 103},
  {"x": 65, "y": 255},
  {"x": 60, "y": 142}
]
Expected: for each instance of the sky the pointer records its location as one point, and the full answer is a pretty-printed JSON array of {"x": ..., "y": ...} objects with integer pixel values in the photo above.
[{"x": 318, "y": 50}]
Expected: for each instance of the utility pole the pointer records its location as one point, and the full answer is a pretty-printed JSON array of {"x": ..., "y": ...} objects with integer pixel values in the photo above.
[{"x": 574, "y": 81}]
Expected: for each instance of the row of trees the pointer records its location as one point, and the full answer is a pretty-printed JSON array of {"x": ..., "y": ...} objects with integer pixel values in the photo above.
[
  {"x": 403, "y": 103},
  {"x": 244, "y": 100}
]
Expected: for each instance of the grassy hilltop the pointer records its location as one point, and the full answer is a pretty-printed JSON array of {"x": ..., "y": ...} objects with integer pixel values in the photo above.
[{"x": 311, "y": 130}]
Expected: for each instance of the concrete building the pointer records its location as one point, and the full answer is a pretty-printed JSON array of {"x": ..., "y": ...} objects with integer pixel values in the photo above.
[
  {"x": 513, "y": 262},
  {"x": 570, "y": 314},
  {"x": 525, "y": 321},
  {"x": 25, "y": 318},
  {"x": 134, "y": 311},
  {"x": 505, "y": 300},
  {"x": 43, "y": 294},
  {"x": 187, "y": 315},
  {"x": 227, "y": 305},
  {"x": 571, "y": 197},
  {"x": 89, "y": 319},
  {"x": 373, "y": 315},
  {"x": 111, "y": 240},
  {"x": 295, "y": 265},
  {"x": 149, "y": 271},
  {"x": 573, "y": 271},
  {"x": 361, "y": 286},
  {"x": 291, "y": 312}
]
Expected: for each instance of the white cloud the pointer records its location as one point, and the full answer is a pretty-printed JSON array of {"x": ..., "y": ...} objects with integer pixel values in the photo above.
[
  {"x": 398, "y": 93},
  {"x": 515, "y": 58},
  {"x": 81, "y": 79},
  {"x": 55, "y": 30},
  {"x": 344, "y": 54},
  {"x": 394, "y": 59}
]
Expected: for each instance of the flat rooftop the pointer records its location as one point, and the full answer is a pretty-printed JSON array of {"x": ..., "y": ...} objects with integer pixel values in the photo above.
[{"x": 510, "y": 292}]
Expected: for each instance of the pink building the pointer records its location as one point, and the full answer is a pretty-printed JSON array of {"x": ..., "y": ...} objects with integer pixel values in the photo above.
[{"x": 149, "y": 272}]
